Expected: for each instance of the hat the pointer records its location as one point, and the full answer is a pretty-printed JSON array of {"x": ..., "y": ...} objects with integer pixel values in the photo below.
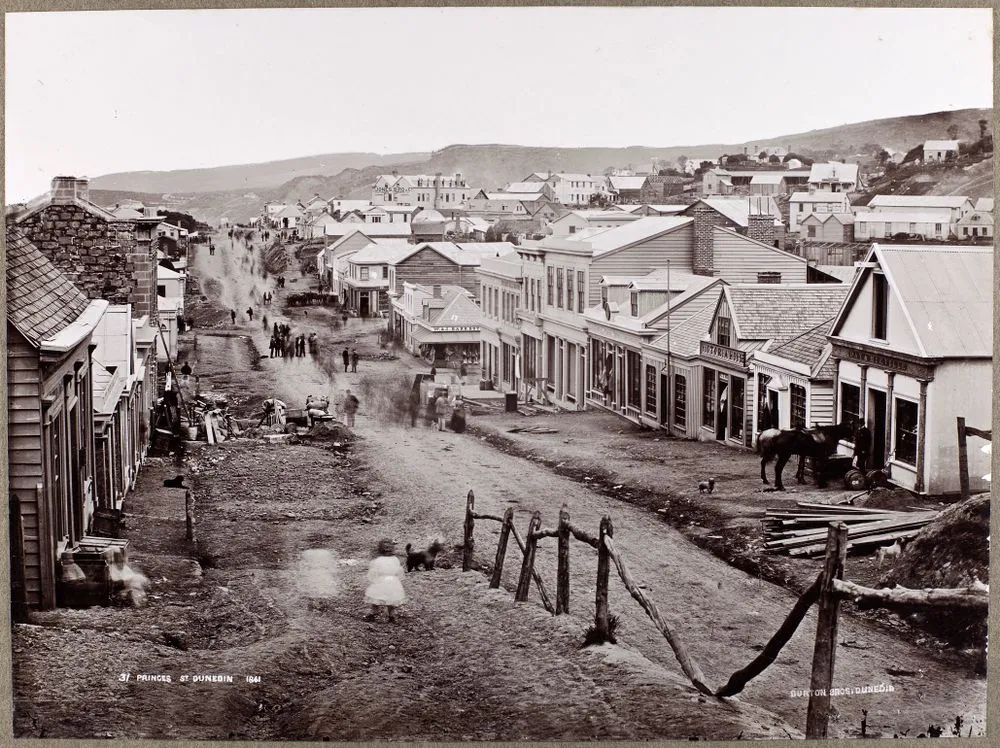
[{"x": 386, "y": 547}]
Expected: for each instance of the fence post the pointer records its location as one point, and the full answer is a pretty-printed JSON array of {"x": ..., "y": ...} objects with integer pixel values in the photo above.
[
  {"x": 963, "y": 458},
  {"x": 825, "y": 652},
  {"x": 508, "y": 518},
  {"x": 562, "y": 568},
  {"x": 470, "y": 525},
  {"x": 603, "y": 571},
  {"x": 189, "y": 514},
  {"x": 528, "y": 564}
]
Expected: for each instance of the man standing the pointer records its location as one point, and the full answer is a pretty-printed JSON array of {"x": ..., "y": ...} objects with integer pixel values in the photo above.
[
  {"x": 350, "y": 408},
  {"x": 354, "y": 360},
  {"x": 250, "y": 313},
  {"x": 862, "y": 446},
  {"x": 441, "y": 408},
  {"x": 347, "y": 359},
  {"x": 232, "y": 315}
]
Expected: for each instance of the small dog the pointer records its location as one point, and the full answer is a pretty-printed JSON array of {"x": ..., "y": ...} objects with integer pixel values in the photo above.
[
  {"x": 889, "y": 551},
  {"x": 175, "y": 482},
  {"x": 706, "y": 486},
  {"x": 425, "y": 558}
]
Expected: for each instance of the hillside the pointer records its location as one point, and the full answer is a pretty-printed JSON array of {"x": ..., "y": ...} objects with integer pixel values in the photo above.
[{"x": 244, "y": 176}]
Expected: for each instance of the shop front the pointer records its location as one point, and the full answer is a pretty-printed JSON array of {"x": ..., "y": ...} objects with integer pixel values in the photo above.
[{"x": 724, "y": 411}]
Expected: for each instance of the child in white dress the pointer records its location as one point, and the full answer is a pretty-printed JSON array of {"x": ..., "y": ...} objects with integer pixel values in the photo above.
[{"x": 385, "y": 585}]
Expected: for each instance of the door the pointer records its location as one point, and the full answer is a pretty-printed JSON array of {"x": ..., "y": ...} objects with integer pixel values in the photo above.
[
  {"x": 876, "y": 417},
  {"x": 363, "y": 305},
  {"x": 772, "y": 400},
  {"x": 722, "y": 407},
  {"x": 664, "y": 399}
]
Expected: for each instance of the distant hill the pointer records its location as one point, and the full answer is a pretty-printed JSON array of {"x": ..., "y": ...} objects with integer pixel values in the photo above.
[
  {"x": 245, "y": 176},
  {"x": 238, "y": 192}
]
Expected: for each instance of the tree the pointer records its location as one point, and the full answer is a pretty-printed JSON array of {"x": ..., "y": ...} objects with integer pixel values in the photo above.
[
  {"x": 953, "y": 132},
  {"x": 882, "y": 157},
  {"x": 774, "y": 159},
  {"x": 599, "y": 200},
  {"x": 762, "y": 156},
  {"x": 682, "y": 162},
  {"x": 982, "y": 128}
]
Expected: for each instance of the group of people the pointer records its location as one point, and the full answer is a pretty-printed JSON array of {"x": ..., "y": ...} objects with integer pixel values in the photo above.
[
  {"x": 284, "y": 344},
  {"x": 350, "y": 359},
  {"x": 281, "y": 281},
  {"x": 266, "y": 298}
]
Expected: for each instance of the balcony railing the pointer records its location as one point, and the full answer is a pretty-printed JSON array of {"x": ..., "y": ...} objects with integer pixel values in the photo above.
[{"x": 724, "y": 354}]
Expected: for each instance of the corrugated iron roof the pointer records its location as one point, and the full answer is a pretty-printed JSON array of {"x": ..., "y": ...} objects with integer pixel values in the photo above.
[
  {"x": 918, "y": 201},
  {"x": 41, "y": 301},
  {"x": 633, "y": 232},
  {"x": 947, "y": 293}
]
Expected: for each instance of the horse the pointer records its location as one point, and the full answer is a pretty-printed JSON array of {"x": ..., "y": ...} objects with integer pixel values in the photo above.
[{"x": 819, "y": 443}]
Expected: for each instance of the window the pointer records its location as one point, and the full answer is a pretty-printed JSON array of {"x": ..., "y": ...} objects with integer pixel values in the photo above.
[
  {"x": 680, "y": 401},
  {"x": 708, "y": 399},
  {"x": 550, "y": 286},
  {"x": 363, "y": 274},
  {"x": 650, "y": 389},
  {"x": 850, "y": 404},
  {"x": 938, "y": 228},
  {"x": 906, "y": 431},
  {"x": 559, "y": 288},
  {"x": 880, "y": 306},
  {"x": 634, "y": 303},
  {"x": 811, "y": 232},
  {"x": 579, "y": 291},
  {"x": 769, "y": 277},
  {"x": 385, "y": 272},
  {"x": 797, "y": 393},
  {"x": 722, "y": 331},
  {"x": 161, "y": 290},
  {"x": 572, "y": 229},
  {"x": 569, "y": 290},
  {"x": 531, "y": 294},
  {"x": 737, "y": 400}
]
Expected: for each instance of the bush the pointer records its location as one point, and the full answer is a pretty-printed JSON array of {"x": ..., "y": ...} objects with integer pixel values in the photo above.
[{"x": 592, "y": 637}]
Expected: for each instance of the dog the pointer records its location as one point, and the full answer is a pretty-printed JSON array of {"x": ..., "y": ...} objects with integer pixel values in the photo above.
[
  {"x": 706, "y": 486},
  {"x": 175, "y": 482},
  {"x": 425, "y": 558},
  {"x": 888, "y": 551}
]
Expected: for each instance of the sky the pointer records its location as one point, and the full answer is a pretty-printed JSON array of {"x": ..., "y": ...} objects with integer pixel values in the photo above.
[{"x": 92, "y": 93}]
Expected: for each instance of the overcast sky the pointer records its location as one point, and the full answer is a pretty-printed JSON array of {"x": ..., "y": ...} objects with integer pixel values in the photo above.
[{"x": 101, "y": 92}]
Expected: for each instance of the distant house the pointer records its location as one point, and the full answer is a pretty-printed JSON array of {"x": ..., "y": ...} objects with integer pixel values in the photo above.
[
  {"x": 366, "y": 284},
  {"x": 734, "y": 212},
  {"x": 834, "y": 176},
  {"x": 768, "y": 184},
  {"x": 577, "y": 220},
  {"x": 429, "y": 225},
  {"x": 956, "y": 205},
  {"x": 913, "y": 346},
  {"x": 441, "y": 324},
  {"x": 50, "y": 431},
  {"x": 885, "y": 224},
  {"x": 975, "y": 225},
  {"x": 421, "y": 190},
  {"x": 629, "y": 189},
  {"x": 827, "y": 227},
  {"x": 940, "y": 150},
  {"x": 739, "y": 182},
  {"x": 531, "y": 190},
  {"x": 340, "y": 208},
  {"x": 317, "y": 226},
  {"x": 802, "y": 204}
]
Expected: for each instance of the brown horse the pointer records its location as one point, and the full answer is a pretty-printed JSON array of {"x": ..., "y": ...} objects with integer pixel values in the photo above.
[{"x": 819, "y": 443}]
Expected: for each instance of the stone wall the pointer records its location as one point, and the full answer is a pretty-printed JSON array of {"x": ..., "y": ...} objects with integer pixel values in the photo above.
[{"x": 100, "y": 257}]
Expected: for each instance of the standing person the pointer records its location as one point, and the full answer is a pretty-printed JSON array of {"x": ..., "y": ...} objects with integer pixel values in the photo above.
[
  {"x": 344, "y": 317},
  {"x": 354, "y": 360},
  {"x": 434, "y": 372},
  {"x": 862, "y": 446},
  {"x": 264, "y": 322},
  {"x": 350, "y": 408},
  {"x": 346, "y": 355},
  {"x": 414, "y": 405},
  {"x": 232, "y": 315},
  {"x": 250, "y": 313},
  {"x": 461, "y": 373},
  {"x": 275, "y": 329},
  {"x": 441, "y": 408},
  {"x": 385, "y": 585}
]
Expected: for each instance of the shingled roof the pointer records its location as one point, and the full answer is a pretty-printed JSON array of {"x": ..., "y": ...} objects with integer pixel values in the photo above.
[
  {"x": 40, "y": 300},
  {"x": 811, "y": 348},
  {"x": 780, "y": 312}
]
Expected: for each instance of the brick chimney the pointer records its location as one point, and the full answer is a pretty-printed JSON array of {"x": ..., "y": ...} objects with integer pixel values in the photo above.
[
  {"x": 63, "y": 190},
  {"x": 436, "y": 292},
  {"x": 703, "y": 257},
  {"x": 760, "y": 227}
]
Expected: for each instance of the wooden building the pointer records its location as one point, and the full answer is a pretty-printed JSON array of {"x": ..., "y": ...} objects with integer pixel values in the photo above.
[{"x": 50, "y": 431}]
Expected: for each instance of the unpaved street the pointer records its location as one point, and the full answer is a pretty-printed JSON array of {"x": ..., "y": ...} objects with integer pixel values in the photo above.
[{"x": 464, "y": 662}]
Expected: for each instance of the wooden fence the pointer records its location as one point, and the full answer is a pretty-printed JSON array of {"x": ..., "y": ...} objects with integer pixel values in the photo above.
[
  {"x": 963, "y": 451},
  {"x": 828, "y": 590}
]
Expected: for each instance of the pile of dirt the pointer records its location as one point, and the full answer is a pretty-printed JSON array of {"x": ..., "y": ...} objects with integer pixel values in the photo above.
[
  {"x": 275, "y": 259},
  {"x": 329, "y": 430},
  {"x": 891, "y": 498},
  {"x": 952, "y": 551}
]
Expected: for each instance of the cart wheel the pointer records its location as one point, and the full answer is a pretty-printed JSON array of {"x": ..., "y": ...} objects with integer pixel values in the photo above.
[{"x": 854, "y": 480}]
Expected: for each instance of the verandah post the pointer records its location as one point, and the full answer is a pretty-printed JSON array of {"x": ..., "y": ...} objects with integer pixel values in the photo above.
[
  {"x": 825, "y": 652},
  {"x": 508, "y": 518}
]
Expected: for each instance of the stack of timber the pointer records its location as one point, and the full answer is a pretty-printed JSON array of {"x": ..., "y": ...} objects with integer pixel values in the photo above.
[{"x": 802, "y": 531}]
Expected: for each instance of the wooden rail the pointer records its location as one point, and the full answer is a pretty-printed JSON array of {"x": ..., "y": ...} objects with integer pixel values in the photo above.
[
  {"x": 975, "y": 598},
  {"x": 963, "y": 451}
]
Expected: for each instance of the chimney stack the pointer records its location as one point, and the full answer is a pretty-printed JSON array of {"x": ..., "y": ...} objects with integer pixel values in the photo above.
[
  {"x": 63, "y": 190},
  {"x": 703, "y": 255},
  {"x": 83, "y": 188},
  {"x": 760, "y": 227},
  {"x": 436, "y": 292}
]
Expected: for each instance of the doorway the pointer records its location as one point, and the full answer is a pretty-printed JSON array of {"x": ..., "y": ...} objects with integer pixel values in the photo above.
[
  {"x": 722, "y": 408},
  {"x": 363, "y": 305},
  {"x": 876, "y": 417}
]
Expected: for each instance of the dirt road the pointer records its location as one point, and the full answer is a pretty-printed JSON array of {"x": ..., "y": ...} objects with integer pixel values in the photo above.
[{"x": 464, "y": 662}]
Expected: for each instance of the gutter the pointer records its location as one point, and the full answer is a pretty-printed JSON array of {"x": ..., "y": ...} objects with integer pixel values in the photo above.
[{"x": 77, "y": 331}]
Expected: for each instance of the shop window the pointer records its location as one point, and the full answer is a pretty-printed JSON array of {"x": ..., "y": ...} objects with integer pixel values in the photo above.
[
  {"x": 737, "y": 398},
  {"x": 797, "y": 394},
  {"x": 850, "y": 404},
  {"x": 559, "y": 288},
  {"x": 579, "y": 291},
  {"x": 680, "y": 401},
  {"x": 634, "y": 378},
  {"x": 880, "y": 306},
  {"x": 569, "y": 290},
  {"x": 906, "y": 431},
  {"x": 363, "y": 274},
  {"x": 708, "y": 399},
  {"x": 551, "y": 284},
  {"x": 650, "y": 389}
]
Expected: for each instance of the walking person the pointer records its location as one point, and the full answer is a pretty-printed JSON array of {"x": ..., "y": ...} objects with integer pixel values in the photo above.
[
  {"x": 347, "y": 359},
  {"x": 232, "y": 315},
  {"x": 462, "y": 373},
  {"x": 350, "y": 408},
  {"x": 441, "y": 408},
  {"x": 250, "y": 313},
  {"x": 264, "y": 322},
  {"x": 385, "y": 581},
  {"x": 276, "y": 333},
  {"x": 354, "y": 360}
]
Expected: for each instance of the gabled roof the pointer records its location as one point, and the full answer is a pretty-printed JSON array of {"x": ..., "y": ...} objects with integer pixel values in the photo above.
[
  {"x": 833, "y": 171},
  {"x": 126, "y": 213},
  {"x": 628, "y": 183},
  {"x": 381, "y": 252},
  {"x": 685, "y": 337},
  {"x": 41, "y": 301},
  {"x": 941, "y": 145},
  {"x": 461, "y": 311},
  {"x": 946, "y": 294},
  {"x": 781, "y": 311},
  {"x": 527, "y": 187},
  {"x": 18, "y": 212},
  {"x": 633, "y": 232},
  {"x": 811, "y": 348},
  {"x": 842, "y": 218},
  {"x": 918, "y": 201},
  {"x": 693, "y": 286},
  {"x": 976, "y": 218},
  {"x": 984, "y": 204},
  {"x": 767, "y": 178}
]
